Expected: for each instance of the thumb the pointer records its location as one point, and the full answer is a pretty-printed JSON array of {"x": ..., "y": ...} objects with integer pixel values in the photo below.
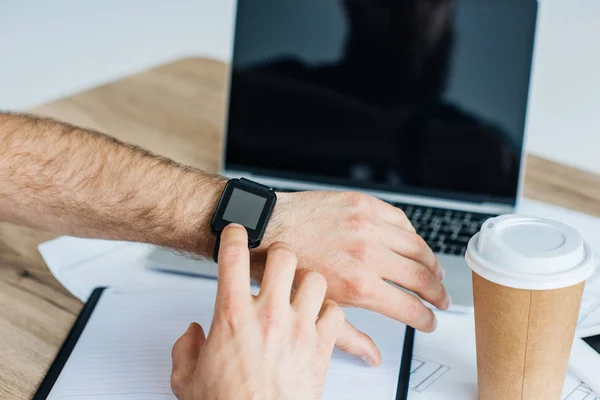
[
  {"x": 354, "y": 342},
  {"x": 185, "y": 355}
]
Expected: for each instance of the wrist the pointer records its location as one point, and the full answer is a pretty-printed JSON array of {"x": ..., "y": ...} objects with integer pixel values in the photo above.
[
  {"x": 274, "y": 232},
  {"x": 195, "y": 213},
  {"x": 196, "y": 207}
]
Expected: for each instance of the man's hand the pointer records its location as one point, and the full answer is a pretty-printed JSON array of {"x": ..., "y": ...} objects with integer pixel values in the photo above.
[
  {"x": 262, "y": 347},
  {"x": 357, "y": 243}
]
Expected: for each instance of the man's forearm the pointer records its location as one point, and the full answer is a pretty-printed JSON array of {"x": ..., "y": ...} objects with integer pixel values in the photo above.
[{"x": 72, "y": 181}]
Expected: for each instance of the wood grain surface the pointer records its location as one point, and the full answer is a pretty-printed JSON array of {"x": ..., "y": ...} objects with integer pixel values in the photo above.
[{"x": 176, "y": 110}]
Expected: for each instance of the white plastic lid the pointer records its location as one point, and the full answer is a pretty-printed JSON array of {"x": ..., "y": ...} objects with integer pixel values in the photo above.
[{"x": 529, "y": 253}]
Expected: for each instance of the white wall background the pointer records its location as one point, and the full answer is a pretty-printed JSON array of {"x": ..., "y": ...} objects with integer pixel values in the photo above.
[{"x": 49, "y": 49}]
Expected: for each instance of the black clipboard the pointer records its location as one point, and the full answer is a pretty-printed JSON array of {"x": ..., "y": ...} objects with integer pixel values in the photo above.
[{"x": 75, "y": 333}]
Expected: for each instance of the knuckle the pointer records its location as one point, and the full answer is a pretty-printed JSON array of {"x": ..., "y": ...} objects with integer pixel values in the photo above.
[
  {"x": 232, "y": 313},
  {"x": 357, "y": 288},
  {"x": 283, "y": 254},
  {"x": 347, "y": 346},
  {"x": 359, "y": 251},
  {"x": 413, "y": 310},
  {"x": 175, "y": 347},
  {"x": 421, "y": 244},
  {"x": 356, "y": 199},
  {"x": 270, "y": 319},
  {"x": 329, "y": 304},
  {"x": 231, "y": 253},
  {"x": 177, "y": 382},
  {"x": 401, "y": 213},
  {"x": 406, "y": 221},
  {"x": 423, "y": 278},
  {"x": 358, "y": 222},
  {"x": 418, "y": 243}
]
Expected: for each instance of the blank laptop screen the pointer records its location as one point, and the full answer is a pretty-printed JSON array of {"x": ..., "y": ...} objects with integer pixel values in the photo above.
[{"x": 422, "y": 97}]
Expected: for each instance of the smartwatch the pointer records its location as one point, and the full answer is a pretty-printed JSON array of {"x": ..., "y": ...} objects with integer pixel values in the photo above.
[{"x": 247, "y": 203}]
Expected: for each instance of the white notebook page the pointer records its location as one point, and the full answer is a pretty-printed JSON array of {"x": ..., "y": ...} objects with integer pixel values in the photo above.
[{"x": 124, "y": 352}]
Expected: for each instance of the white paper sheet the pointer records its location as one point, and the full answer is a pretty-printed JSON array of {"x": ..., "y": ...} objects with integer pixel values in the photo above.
[
  {"x": 574, "y": 389},
  {"x": 585, "y": 364},
  {"x": 124, "y": 352},
  {"x": 81, "y": 265}
]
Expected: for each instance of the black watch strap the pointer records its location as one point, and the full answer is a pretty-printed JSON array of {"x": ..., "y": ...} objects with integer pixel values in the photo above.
[{"x": 216, "y": 252}]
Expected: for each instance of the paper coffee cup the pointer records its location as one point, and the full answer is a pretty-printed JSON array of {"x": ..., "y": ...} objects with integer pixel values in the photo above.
[{"x": 528, "y": 279}]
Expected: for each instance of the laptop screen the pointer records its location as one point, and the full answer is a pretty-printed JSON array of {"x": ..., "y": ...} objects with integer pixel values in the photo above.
[{"x": 422, "y": 97}]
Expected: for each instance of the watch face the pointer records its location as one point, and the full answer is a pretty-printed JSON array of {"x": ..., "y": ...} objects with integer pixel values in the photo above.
[
  {"x": 246, "y": 205},
  {"x": 244, "y": 208}
]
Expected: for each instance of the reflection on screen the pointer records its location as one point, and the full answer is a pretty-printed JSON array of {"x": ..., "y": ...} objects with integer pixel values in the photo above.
[
  {"x": 418, "y": 96},
  {"x": 244, "y": 208}
]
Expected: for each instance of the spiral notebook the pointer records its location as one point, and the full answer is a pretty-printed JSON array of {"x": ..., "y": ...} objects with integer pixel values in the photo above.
[{"x": 120, "y": 348}]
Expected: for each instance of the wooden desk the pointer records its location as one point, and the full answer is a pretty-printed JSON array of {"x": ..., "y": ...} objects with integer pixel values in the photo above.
[{"x": 176, "y": 110}]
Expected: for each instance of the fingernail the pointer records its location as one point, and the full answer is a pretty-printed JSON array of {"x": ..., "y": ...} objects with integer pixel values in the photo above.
[
  {"x": 448, "y": 302},
  {"x": 234, "y": 225},
  {"x": 435, "y": 322},
  {"x": 368, "y": 360}
]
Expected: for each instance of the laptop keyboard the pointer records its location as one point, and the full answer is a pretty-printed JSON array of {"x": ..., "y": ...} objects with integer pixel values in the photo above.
[{"x": 445, "y": 231}]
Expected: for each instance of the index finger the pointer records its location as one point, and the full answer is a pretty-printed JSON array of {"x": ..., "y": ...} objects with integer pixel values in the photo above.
[{"x": 233, "y": 283}]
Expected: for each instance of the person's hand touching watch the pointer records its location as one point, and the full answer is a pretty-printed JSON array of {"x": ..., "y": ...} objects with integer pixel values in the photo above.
[{"x": 259, "y": 347}]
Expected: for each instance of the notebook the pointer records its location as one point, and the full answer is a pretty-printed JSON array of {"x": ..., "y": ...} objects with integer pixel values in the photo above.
[{"x": 120, "y": 348}]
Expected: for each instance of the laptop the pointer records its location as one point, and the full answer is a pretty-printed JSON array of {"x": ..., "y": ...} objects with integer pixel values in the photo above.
[{"x": 420, "y": 103}]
